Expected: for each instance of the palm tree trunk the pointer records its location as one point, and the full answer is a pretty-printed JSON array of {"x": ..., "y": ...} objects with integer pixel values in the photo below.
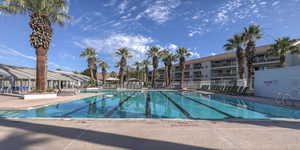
[
  {"x": 182, "y": 77},
  {"x": 121, "y": 76},
  {"x": 166, "y": 76},
  {"x": 146, "y": 77},
  {"x": 153, "y": 77},
  {"x": 41, "y": 69},
  {"x": 92, "y": 73},
  {"x": 103, "y": 77},
  {"x": 170, "y": 74},
  {"x": 46, "y": 70},
  {"x": 250, "y": 54},
  {"x": 240, "y": 61}
]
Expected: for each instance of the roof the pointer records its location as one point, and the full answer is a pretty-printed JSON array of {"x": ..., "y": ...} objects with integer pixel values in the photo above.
[{"x": 8, "y": 71}]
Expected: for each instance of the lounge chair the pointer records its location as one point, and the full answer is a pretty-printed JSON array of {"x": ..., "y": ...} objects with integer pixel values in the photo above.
[{"x": 244, "y": 91}]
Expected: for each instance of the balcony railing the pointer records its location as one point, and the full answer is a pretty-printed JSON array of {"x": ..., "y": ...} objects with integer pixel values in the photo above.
[
  {"x": 224, "y": 75},
  {"x": 224, "y": 65}
]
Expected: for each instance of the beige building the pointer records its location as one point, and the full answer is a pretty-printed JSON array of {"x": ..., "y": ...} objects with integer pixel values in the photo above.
[{"x": 221, "y": 67}]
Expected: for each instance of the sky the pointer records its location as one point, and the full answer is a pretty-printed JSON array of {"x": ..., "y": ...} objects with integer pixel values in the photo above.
[{"x": 202, "y": 26}]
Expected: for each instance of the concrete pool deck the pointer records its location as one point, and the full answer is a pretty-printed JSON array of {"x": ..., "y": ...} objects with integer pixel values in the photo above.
[
  {"x": 148, "y": 134},
  {"x": 17, "y": 103}
]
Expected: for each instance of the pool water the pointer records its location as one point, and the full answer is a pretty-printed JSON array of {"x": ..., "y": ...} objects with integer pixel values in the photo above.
[{"x": 157, "y": 104}]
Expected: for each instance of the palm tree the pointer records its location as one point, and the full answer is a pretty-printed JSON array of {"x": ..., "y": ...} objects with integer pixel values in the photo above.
[
  {"x": 124, "y": 54},
  {"x": 146, "y": 70},
  {"x": 181, "y": 54},
  {"x": 113, "y": 74},
  {"x": 104, "y": 66},
  {"x": 282, "y": 47},
  {"x": 90, "y": 54},
  {"x": 43, "y": 14},
  {"x": 154, "y": 52},
  {"x": 250, "y": 36},
  {"x": 137, "y": 69},
  {"x": 236, "y": 43},
  {"x": 168, "y": 58}
]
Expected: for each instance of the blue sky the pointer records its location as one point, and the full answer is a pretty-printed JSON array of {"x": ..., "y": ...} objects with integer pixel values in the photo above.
[{"x": 202, "y": 26}]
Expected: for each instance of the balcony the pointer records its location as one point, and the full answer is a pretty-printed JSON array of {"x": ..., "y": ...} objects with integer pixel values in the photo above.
[
  {"x": 224, "y": 65},
  {"x": 224, "y": 75},
  {"x": 266, "y": 61}
]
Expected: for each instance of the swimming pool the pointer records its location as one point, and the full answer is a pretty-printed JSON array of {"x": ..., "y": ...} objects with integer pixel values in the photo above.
[{"x": 157, "y": 104}]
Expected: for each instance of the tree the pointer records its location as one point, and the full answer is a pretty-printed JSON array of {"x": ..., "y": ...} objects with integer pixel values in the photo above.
[
  {"x": 146, "y": 70},
  {"x": 104, "y": 66},
  {"x": 236, "y": 43},
  {"x": 168, "y": 58},
  {"x": 90, "y": 54},
  {"x": 43, "y": 14},
  {"x": 181, "y": 54},
  {"x": 137, "y": 65},
  {"x": 113, "y": 74},
  {"x": 250, "y": 36},
  {"x": 124, "y": 54},
  {"x": 154, "y": 52},
  {"x": 282, "y": 47}
]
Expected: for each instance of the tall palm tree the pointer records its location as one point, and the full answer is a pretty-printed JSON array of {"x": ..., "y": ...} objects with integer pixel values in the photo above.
[
  {"x": 154, "y": 52},
  {"x": 124, "y": 54},
  {"x": 43, "y": 14},
  {"x": 104, "y": 66},
  {"x": 168, "y": 58},
  {"x": 146, "y": 70},
  {"x": 250, "y": 35},
  {"x": 163, "y": 55},
  {"x": 283, "y": 46},
  {"x": 236, "y": 43},
  {"x": 137, "y": 65},
  {"x": 90, "y": 54},
  {"x": 181, "y": 54}
]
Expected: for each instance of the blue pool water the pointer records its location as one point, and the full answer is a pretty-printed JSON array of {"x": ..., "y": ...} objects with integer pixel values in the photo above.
[{"x": 157, "y": 104}]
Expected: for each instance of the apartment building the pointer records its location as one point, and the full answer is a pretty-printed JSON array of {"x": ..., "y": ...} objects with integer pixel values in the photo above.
[{"x": 219, "y": 67}]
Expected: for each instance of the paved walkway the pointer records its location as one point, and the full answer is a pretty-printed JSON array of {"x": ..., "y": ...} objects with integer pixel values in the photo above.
[
  {"x": 16, "y": 103},
  {"x": 151, "y": 134}
]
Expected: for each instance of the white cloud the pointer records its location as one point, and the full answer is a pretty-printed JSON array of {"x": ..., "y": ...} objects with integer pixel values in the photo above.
[
  {"x": 137, "y": 44},
  {"x": 172, "y": 47},
  {"x": 9, "y": 51},
  {"x": 12, "y": 52},
  {"x": 111, "y": 3},
  {"x": 122, "y": 7},
  {"x": 275, "y": 3},
  {"x": 228, "y": 12},
  {"x": 195, "y": 54},
  {"x": 160, "y": 10}
]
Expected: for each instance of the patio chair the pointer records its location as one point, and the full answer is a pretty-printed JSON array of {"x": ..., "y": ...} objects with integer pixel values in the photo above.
[
  {"x": 244, "y": 91},
  {"x": 227, "y": 90},
  {"x": 239, "y": 90},
  {"x": 233, "y": 90},
  {"x": 223, "y": 89}
]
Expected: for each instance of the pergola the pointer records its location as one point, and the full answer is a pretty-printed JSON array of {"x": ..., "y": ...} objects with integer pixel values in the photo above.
[{"x": 12, "y": 76}]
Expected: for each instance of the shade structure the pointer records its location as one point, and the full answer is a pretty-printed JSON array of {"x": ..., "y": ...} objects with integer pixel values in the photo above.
[
  {"x": 112, "y": 79},
  {"x": 133, "y": 80},
  {"x": 20, "y": 76}
]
